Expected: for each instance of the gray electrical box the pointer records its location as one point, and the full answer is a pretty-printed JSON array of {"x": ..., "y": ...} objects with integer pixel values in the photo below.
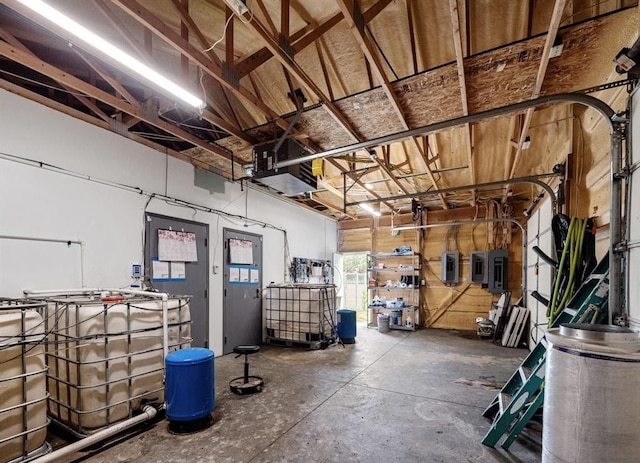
[
  {"x": 478, "y": 267},
  {"x": 450, "y": 267},
  {"x": 497, "y": 265}
]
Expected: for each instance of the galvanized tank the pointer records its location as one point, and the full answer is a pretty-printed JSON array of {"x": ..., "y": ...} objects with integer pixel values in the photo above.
[
  {"x": 106, "y": 357},
  {"x": 591, "y": 407},
  {"x": 23, "y": 395}
]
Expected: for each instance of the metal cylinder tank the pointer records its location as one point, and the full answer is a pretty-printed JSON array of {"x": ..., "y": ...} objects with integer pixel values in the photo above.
[
  {"x": 346, "y": 325},
  {"x": 383, "y": 322},
  {"x": 189, "y": 384},
  {"x": 23, "y": 394},
  {"x": 591, "y": 412}
]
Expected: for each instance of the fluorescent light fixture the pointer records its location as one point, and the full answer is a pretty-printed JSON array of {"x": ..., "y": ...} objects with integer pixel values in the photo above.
[
  {"x": 368, "y": 186},
  {"x": 370, "y": 210},
  {"x": 112, "y": 51}
]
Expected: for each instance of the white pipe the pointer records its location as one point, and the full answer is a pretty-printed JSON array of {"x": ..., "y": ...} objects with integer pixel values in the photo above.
[
  {"x": 81, "y": 264},
  {"x": 60, "y": 292},
  {"x": 147, "y": 413},
  {"x": 53, "y": 240}
]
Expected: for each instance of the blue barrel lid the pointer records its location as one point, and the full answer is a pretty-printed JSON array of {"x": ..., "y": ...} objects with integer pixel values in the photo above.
[
  {"x": 192, "y": 354},
  {"x": 345, "y": 311}
]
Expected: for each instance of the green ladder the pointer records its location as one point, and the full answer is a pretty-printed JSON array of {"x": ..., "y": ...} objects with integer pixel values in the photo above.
[
  {"x": 523, "y": 393},
  {"x": 590, "y": 302}
]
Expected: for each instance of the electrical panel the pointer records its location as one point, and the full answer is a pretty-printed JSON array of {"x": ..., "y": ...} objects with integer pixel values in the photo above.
[
  {"x": 497, "y": 265},
  {"x": 450, "y": 267},
  {"x": 291, "y": 180},
  {"x": 478, "y": 267}
]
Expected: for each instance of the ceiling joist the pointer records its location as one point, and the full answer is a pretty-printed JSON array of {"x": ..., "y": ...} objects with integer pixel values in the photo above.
[
  {"x": 554, "y": 25},
  {"x": 465, "y": 66},
  {"x": 355, "y": 20}
]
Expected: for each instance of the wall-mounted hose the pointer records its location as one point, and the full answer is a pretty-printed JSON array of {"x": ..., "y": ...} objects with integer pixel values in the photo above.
[{"x": 570, "y": 269}]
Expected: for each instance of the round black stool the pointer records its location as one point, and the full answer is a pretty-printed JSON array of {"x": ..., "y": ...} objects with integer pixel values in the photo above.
[{"x": 246, "y": 384}]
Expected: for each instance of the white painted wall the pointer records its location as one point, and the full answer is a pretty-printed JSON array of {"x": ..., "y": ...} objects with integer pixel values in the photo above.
[{"x": 40, "y": 203}]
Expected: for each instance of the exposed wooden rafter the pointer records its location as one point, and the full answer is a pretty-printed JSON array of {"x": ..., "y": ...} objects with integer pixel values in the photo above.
[
  {"x": 355, "y": 179},
  {"x": 303, "y": 38},
  {"x": 115, "y": 84},
  {"x": 230, "y": 124},
  {"x": 354, "y": 18},
  {"x": 323, "y": 184},
  {"x": 276, "y": 48},
  {"x": 121, "y": 28},
  {"x": 146, "y": 18},
  {"x": 459, "y": 48},
  {"x": 184, "y": 33},
  {"x": 6, "y": 36},
  {"x": 267, "y": 16},
  {"x": 64, "y": 78},
  {"x": 412, "y": 36},
  {"x": 8, "y": 86},
  {"x": 554, "y": 25},
  {"x": 369, "y": 69}
]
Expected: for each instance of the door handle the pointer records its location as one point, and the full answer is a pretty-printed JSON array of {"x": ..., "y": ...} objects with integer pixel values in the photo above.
[{"x": 257, "y": 293}]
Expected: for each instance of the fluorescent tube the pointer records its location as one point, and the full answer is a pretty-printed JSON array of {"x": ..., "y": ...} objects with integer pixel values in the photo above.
[
  {"x": 112, "y": 51},
  {"x": 370, "y": 210}
]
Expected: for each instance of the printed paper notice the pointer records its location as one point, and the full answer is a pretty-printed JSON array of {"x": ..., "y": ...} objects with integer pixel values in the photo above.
[
  {"x": 254, "y": 275},
  {"x": 178, "y": 271},
  {"x": 160, "y": 270},
  {"x": 240, "y": 251},
  {"x": 234, "y": 274},
  {"x": 244, "y": 275},
  {"x": 177, "y": 246}
]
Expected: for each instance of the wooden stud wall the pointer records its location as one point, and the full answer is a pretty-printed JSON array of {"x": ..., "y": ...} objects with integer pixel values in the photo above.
[
  {"x": 458, "y": 306},
  {"x": 355, "y": 240},
  {"x": 451, "y": 307}
]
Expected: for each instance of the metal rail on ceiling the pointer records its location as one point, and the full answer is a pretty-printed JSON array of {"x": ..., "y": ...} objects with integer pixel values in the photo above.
[
  {"x": 617, "y": 128},
  {"x": 535, "y": 179},
  {"x": 585, "y": 100}
]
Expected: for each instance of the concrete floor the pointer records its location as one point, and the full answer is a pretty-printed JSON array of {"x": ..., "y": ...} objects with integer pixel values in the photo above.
[{"x": 391, "y": 397}]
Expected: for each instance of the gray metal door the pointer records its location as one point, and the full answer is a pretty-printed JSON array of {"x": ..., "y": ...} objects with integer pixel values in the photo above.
[
  {"x": 188, "y": 278},
  {"x": 242, "y": 307}
]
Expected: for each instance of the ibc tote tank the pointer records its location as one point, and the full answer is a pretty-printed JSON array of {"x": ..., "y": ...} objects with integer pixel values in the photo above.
[
  {"x": 22, "y": 358},
  {"x": 106, "y": 357},
  {"x": 591, "y": 407}
]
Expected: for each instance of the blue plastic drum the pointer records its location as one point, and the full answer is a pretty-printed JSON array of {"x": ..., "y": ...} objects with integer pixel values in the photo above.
[
  {"x": 189, "y": 384},
  {"x": 346, "y": 325}
]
